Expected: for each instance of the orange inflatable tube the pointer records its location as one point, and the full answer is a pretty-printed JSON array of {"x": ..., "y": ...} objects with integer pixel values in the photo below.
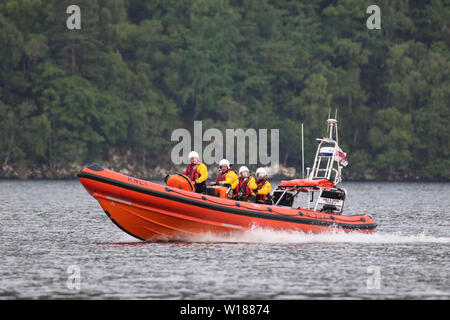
[
  {"x": 180, "y": 181},
  {"x": 150, "y": 211}
]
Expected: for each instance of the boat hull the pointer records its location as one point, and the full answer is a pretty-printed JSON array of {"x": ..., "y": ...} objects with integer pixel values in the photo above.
[{"x": 150, "y": 211}]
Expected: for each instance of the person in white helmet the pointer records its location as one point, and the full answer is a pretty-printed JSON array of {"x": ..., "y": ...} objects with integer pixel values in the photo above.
[
  {"x": 263, "y": 186},
  {"x": 246, "y": 185},
  {"x": 226, "y": 175},
  {"x": 197, "y": 172}
]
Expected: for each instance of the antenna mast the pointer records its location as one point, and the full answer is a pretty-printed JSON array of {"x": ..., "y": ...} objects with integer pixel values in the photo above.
[{"x": 303, "y": 155}]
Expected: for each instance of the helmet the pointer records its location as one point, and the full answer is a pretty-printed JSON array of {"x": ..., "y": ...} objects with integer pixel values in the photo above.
[
  {"x": 224, "y": 162},
  {"x": 193, "y": 154},
  {"x": 261, "y": 170},
  {"x": 242, "y": 169}
]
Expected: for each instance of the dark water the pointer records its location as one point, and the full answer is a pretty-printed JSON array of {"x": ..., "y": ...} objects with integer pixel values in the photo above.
[{"x": 53, "y": 231}]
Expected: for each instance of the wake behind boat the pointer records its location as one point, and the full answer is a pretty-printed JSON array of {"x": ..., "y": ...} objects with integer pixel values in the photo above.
[{"x": 151, "y": 211}]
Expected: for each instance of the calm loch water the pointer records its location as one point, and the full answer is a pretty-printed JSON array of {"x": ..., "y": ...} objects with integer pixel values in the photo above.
[{"x": 53, "y": 233}]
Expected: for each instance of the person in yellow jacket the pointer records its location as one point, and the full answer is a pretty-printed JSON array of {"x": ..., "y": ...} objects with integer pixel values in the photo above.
[
  {"x": 227, "y": 176},
  {"x": 197, "y": 172},
  {"x": 245, "y": 189},
  {"x": 263, "y": 186}
]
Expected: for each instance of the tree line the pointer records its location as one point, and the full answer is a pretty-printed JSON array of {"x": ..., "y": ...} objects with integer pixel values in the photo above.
[{"x": 137, "y": 70}]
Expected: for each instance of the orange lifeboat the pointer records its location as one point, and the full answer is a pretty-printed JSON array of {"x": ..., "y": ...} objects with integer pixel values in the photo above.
[{"x": 151, "y": 211}]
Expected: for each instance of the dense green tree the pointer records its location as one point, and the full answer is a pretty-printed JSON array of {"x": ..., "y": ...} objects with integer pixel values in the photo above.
[{"x": 137, "y": 70}]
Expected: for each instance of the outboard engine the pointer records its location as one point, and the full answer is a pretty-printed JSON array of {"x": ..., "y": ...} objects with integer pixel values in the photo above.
[{"x": 332, "y": 201}]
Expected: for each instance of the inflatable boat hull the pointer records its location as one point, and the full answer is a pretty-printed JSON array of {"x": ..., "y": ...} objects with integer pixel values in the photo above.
[{"x": 150, "y": 211}]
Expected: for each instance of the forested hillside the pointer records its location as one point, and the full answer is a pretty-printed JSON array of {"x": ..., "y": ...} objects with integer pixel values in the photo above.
[{"x": 136, "y": 70}]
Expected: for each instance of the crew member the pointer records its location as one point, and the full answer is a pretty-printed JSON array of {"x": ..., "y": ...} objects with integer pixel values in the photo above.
[
  {"x": 227, "y": 176},
  {"x": 246, "y": 185},
  {"x": 197, "y": 172},
  {"x": 263, "y": 186}
]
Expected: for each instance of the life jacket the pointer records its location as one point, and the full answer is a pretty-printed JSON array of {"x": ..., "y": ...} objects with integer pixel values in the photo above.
[
  {"x": 260, "y": 184},
  {"x": 243, "y": 185},
  {"x": 223, "y": 175},
  {"x": 191, "y": 171}
]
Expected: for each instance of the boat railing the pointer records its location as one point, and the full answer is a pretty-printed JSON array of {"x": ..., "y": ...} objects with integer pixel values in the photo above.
[{"x": 325, "y": 160}]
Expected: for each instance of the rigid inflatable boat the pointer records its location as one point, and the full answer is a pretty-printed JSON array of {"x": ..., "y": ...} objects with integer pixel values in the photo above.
[{"x": 152, "y": 211}]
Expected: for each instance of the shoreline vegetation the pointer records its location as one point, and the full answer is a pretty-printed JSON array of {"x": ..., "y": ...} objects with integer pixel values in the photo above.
[
  {"x": 159, "y": 173},
  {"x": 114, "y": 91}
]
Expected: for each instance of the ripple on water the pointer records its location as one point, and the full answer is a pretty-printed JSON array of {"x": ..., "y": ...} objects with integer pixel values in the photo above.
[{"x": 48, "y": 226}]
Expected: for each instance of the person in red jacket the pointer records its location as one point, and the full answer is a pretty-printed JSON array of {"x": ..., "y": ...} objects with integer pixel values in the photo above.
[
  {"x": 246, "y": 185},
  {"x": 226, "y": 176},
  {"x": 263, "y": 186},
  {"x": 197, "y": 172}
]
